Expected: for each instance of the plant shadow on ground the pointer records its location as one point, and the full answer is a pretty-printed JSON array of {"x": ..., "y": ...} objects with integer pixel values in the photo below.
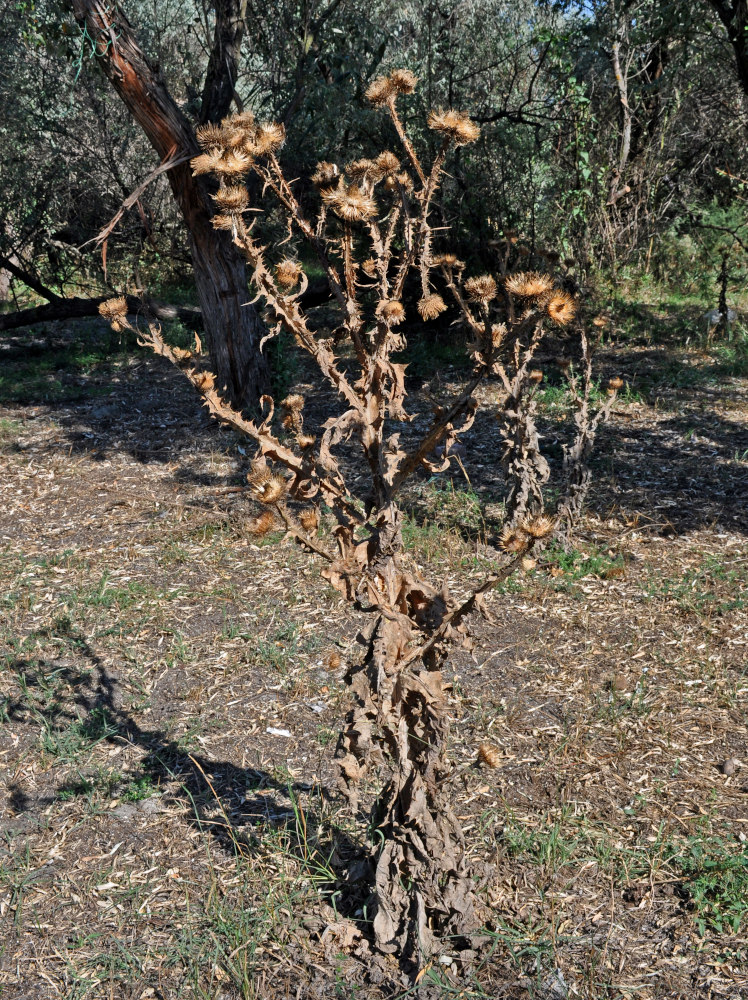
[
  {"x": 684, "y": 469},
  {"x": 237, "y": 807}
]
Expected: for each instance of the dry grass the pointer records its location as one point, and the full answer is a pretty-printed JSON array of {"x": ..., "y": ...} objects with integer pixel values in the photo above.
[{"x": 160, "y": 841}]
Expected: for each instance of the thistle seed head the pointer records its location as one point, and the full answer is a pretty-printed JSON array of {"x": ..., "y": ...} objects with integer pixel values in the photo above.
[
  {"x": 489, "y": 755},
  {"x": 227, "y": 222},
  {"x": 287, "y": 274},
  {"x": 264, "y": 522},
  {"x": 431, "y": 306},
  {"x": 210, "y": 136},
  {"x": 539, "y": 527},
  {"x": 481, "y": 289},
  {"x": 206, "y": 163},
  {"x": 309, "y": 520},
  {"x": 561, "y": 308},
  {"x": 114, "y": 308},
  {"x": 234, "y": 198},
  {"x": 514, "y": 540},
  {"x": 270, "y": 490},
  {"x": 293, "y": 402},
  {"x": 233, "y": 163},
  {"x": 498, "y": 332},
  {"x": 615, "y": 384},
  {"x": 327, "y": 175},
  {"x": 359, "y": 170},
  {"x": 528, "y": 284},
  {"x": 450, "y": 260},
  {"x": 268, "y": 137},
  {"x": 454, "y": 124},
  {"x": 380, "y": 91},
  {"x": 385, "y": 164},
  {"x": 535, "y": 376},
  {"x": 391, "y": 312},
  {"x": 403, "y": 81},
  {"x": 351, "y": 204}
]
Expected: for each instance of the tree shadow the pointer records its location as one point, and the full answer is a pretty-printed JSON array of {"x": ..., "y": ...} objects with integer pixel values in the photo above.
[{"x": 94, "y": 713}]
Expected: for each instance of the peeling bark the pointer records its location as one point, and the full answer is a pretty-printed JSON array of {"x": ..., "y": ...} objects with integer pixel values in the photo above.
[{"x": 233, "y": 328}]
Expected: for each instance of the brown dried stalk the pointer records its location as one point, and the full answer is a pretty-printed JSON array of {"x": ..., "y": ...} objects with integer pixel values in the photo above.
[{"x": 371, "y": 231}]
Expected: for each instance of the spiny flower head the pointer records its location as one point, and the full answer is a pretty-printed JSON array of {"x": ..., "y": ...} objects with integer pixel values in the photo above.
[
  {"x": 287, "y": 273},
  {"x": 264, "y": 522},
  {"x": 403, "y": 80},
  {"x": 351, "y": 204},
  {"x": 514, "y": 540},
  {"x": 267, "y": 138},
  {"x": 380, "y": 91},
  {"x": 114, "y": 308},
  {"x": 391, "y": 312},
  {"x": 454, "y": 124},
  {"x": 327, "y": 175},
  {"x": 539, "y": 527},
  {"x": 359, "y": 170},
  {"x": 293, "y": 402},
  {"x": 498, "y": 332},
  {"x": 222, "y": 221},
  {"x": 535, "y": 376},
  {"x": 489, "y": 755},
  {"x": 309, "y": 519},
  {"x": 385, "y": 164},
  {"x": 450, "y": 260},
  {"x": 232, "y": 199},
  {"x": 266, "y": 486},
  {"x": 481, "y": 289},
  {"x": 207, "y": 163},
  {"x": 210, "y": 136},
  {"x": 561, "y": 308},
  {"x": 430, "y": 306},
  {"x": 528, "y": 284}
]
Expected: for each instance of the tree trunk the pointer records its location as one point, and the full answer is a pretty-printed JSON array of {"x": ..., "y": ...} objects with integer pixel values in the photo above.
[
  {"x": 734, "y": 16},
  {"x": 233, "y": 328}
]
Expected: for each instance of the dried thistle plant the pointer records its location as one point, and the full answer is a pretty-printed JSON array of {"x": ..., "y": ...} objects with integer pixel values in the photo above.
[{"x": 371, "y": 231}]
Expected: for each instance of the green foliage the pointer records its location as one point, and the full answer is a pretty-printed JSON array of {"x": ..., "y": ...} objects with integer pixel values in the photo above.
[{"x": 716, "y": 883}]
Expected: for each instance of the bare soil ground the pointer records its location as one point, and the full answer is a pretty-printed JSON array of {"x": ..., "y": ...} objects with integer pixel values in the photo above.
[{"x": 171, "y": 690}]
